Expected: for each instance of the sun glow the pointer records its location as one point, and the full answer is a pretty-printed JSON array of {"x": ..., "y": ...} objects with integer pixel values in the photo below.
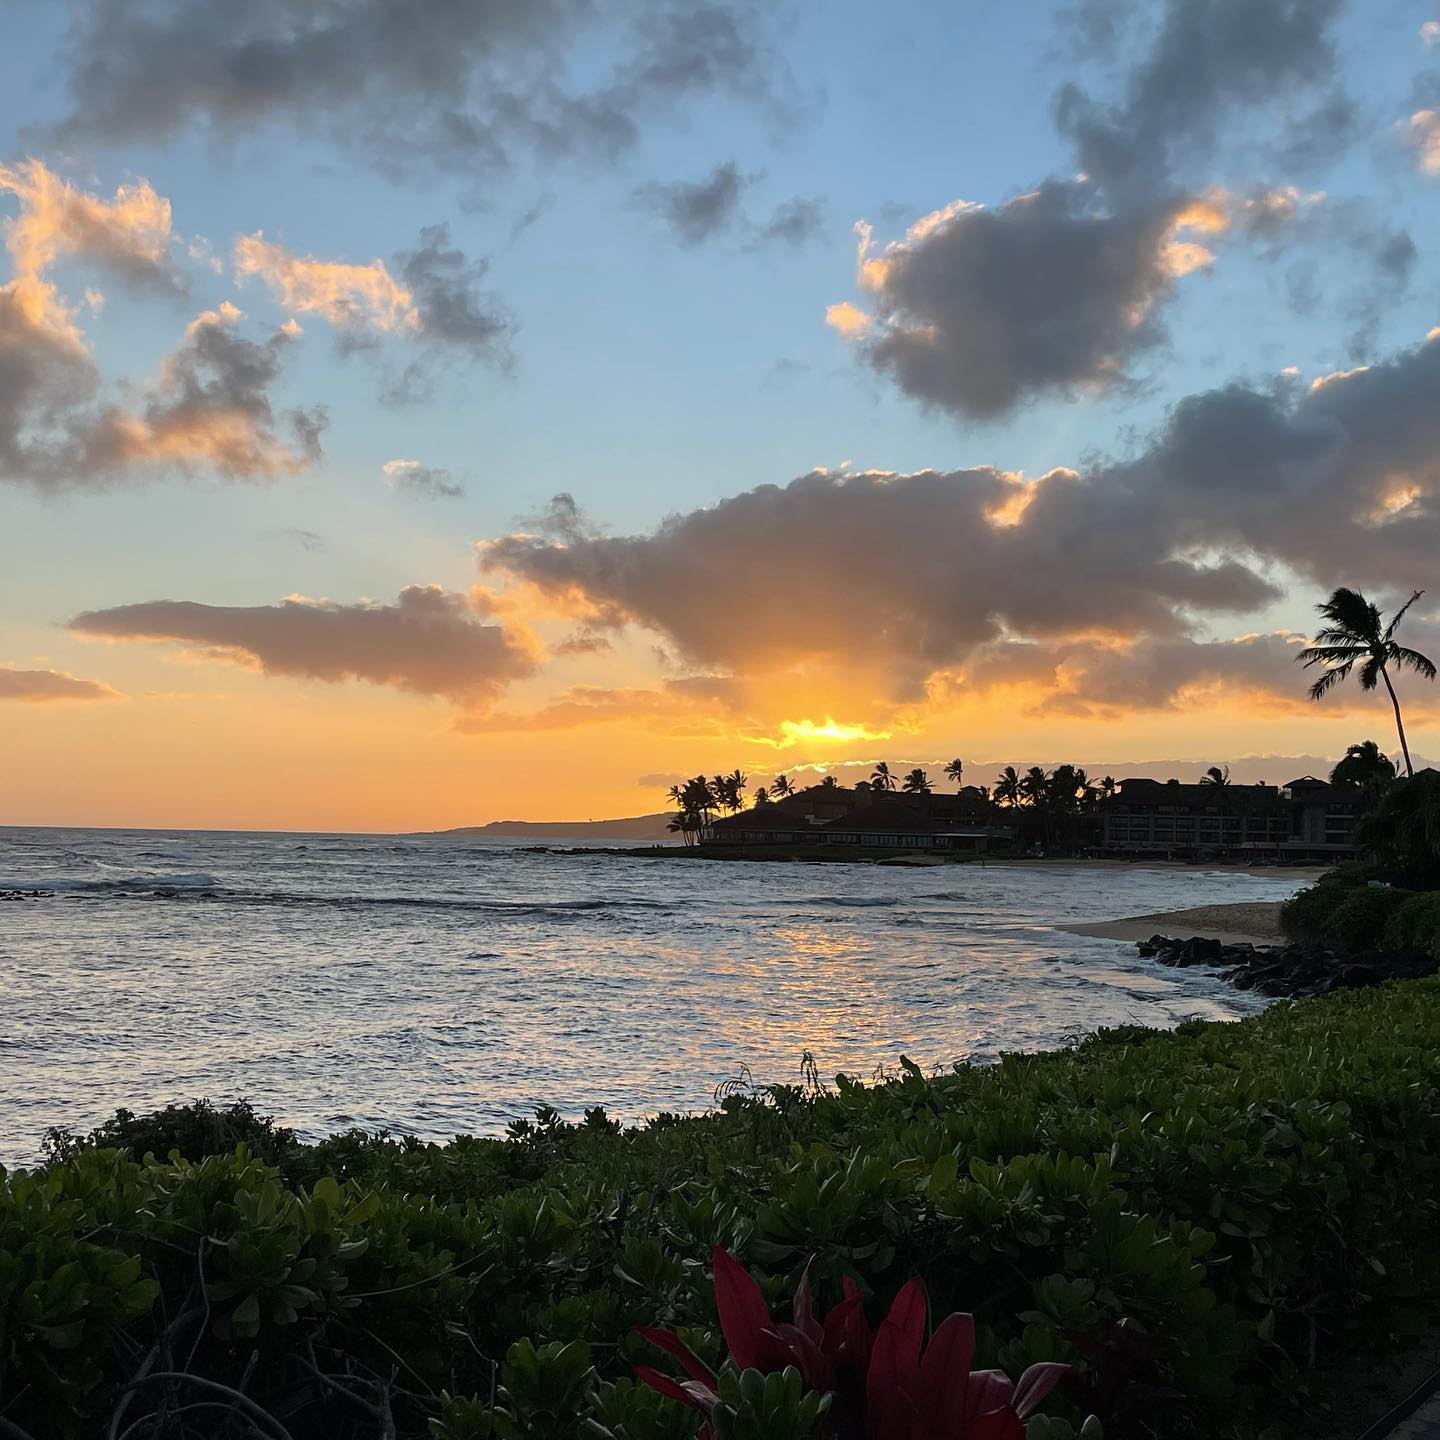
[{"x": 794, "y": 732}]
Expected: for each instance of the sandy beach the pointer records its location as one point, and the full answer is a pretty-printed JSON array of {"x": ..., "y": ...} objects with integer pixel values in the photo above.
[{"x": 1256, "y": 922}]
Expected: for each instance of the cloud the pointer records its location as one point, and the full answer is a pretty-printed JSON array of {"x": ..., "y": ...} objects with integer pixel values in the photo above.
[
  {"x": 41, "y": 686},
  {"x": 978, "y": 310},
  {"x": 425, "y": 482},
  {"x": 1424, "y": 138},
  {"x": 208, "y": 411},
  {"x": 795, "y": 222},
  {"x": 209, "y": 408},
  {"x": 900, "y": 576},
  {"x": 431, "y": 641},
  {"x": 1207, "y": 62},
  {"x": 697, "y": 211},
  {"x": 1430, "y": 33},
  {"x": 129, "y": 235},
  {"x": 432, "y": 299},
  {"x": 347, "y": 296},
  {"x": 453, "y": 86}
]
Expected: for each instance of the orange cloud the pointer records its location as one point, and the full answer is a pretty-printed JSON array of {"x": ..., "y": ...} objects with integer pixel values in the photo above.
[
  {"x": 348, "y": 296},
  {"x": 42, "y": 686},
  {"x": 1424, "y": 136}
]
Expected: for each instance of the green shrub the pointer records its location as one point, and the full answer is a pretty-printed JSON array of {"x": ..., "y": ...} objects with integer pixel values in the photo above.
[
  {"x": 1415, "y": 924},
  {"x": 1359, "y": 921},
  {"x": 1260, "y": 1201},
  {"x": 1342, "y": 911}
]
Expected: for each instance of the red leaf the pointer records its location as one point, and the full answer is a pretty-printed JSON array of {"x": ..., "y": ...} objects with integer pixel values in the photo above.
[
  {"x": 665, "y": 1385},
  {"x": 672, "y": 1344},
  {"x": 804, "y": 1311},
  {"x": 807, "y": 1355},
  {"x": 1035, "y": 1384},
  {"x": 988, "y": 1390},
  {"x": 894, "y": 1375},
  {"x": 744, "y": 1316},
  {"x": 945, "y": 1376}
]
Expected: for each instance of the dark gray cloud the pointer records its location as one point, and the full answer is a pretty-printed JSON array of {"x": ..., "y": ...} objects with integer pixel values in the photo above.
[
  {"x": 457, "y": 320},
  {"x": 795, "y": 222},
  {"x": 978, "y": 310},
  {"x": 209, "y": 412},
  {"x": 41, "y": 686},
  {"x": 431, "y": 641},
  {"x": 1205, "y": 62},
  {"x": 713, "y": 207},
  {"x": 450, "y": 84},
  {"x": 700, "y": 210},
  {"x": 425, "y": 482},
  {"x": 915, "y": 573}
]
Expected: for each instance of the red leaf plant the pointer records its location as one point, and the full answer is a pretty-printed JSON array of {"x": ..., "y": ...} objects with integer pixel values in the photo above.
[{"x": 886, "y": 1386}]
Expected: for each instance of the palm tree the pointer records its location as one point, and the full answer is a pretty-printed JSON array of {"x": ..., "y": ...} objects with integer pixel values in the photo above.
[
  {"x": 762, "y": 796},
  {"x": 881, "y": 778},
  {"x": 1216, "y": 777},
  {"x": 1108, "y": 787},
  {"x": 1366, "y": 767},
  {"x": 954, "y": 770},
  {"x": 917, "y": 782},
  {"x": 1006, "y": 790},
  {"x": 1034, "y": 786},
  {"x": 780, "y": 786},
  {"x": 1352, "y": 632}
]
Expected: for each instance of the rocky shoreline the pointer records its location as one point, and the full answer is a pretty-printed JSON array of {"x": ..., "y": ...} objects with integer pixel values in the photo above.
[{"x": 1293, "y": 970}]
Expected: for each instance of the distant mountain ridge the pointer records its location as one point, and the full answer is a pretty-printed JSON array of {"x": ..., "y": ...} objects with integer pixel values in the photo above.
[{"x": 635, "y": 827}]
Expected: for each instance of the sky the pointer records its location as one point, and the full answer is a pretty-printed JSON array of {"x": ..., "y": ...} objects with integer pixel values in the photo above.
[{"x": 418, "y": 415}]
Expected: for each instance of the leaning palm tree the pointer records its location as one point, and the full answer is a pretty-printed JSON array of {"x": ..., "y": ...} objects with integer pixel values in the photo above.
[
  {"x": 881, "y": 778},
  {"x": 954, "y": 770},
  {"x": 1353, "y": 632},
  {"x": 1006, "y": 790},
  {"x": 917, "y": 782},
  {"x": 1216, "y": 777},
  {"x": 780, "y": 787}
]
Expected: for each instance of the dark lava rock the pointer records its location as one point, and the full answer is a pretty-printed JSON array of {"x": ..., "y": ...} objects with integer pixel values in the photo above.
[{"x": 1290, "y": 970}]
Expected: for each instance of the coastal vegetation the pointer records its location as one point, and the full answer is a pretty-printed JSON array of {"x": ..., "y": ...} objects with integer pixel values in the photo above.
[
  {"x": 1390, "y": 896},
  {"x": 1198, "y": 1222}
]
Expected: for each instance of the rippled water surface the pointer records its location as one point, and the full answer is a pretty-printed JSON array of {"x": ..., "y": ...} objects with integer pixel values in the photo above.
[{"x": 435, "y": 985}]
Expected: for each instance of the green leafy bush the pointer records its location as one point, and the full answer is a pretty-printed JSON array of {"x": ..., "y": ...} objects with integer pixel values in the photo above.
[
  {"x": 1256, "y": 1201},
  {"x": 1415, "y": 924},
  {"x": 1347, "y": 912}
]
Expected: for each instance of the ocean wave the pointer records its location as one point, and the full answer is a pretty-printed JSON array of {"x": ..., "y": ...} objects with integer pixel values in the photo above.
[
  {"x": 857, "y": 902},
  {"x": 115, "y": 885},
  {"x": 205, "y": 889}
]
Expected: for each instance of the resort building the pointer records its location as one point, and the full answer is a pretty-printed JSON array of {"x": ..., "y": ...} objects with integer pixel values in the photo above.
[
  {"x": 870, "y": 818},
  {"x": 1306, "y": 819}
]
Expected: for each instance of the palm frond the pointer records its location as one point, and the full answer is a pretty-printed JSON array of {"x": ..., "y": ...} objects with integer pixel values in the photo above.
[
  {"x": 1370, "y": 672},
  {"x": 1329, "y": 680},
  {"x": 1331, "y": 654},
  {"x": 1412, "y": 660},
  {"x": 1350, "y": 611},
  {"x": 1400, "y": 614}
]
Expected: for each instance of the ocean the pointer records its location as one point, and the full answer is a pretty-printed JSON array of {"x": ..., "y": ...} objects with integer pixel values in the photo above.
[{"x": 435, "y": 986}]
